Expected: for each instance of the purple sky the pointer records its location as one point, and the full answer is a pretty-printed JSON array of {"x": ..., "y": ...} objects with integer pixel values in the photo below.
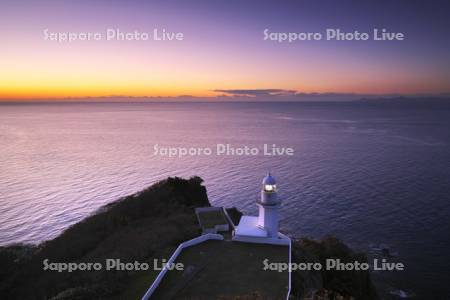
[{"x": 223, "y": 48}]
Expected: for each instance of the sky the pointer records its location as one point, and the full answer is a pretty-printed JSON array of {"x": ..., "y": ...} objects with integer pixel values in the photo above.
[{"x": 223, "y": 51}]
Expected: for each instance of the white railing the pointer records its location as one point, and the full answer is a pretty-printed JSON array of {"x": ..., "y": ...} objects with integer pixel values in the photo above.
[
  {"x": 194, "y": 241},
  {"x": 290, "y": 261},
  {"x": 228, "y": 218}
]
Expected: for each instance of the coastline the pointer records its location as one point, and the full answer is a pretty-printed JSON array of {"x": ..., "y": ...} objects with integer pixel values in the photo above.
[{"x": 143, "y": 227}]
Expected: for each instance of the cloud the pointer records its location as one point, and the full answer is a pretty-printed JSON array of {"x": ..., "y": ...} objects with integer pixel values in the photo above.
[
  {"x": 257, "y": 92},
  {"x": 282, "y": 95}
]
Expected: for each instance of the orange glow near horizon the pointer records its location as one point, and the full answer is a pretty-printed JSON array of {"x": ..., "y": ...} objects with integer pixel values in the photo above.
[
  {"x": 81, "y": 86},
  {"x": 214, "y": 55},
  {"x": 52, "y": 71},
  {"x": 95, "y": 74}
]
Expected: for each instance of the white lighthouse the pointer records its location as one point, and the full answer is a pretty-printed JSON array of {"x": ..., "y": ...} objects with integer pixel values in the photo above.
[
  {"x": 269, "y": 206},
  {"x": 264, "y": 227}
]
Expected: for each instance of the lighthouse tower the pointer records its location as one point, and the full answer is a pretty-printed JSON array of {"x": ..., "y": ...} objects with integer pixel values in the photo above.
[
  {"x": 264, "y": 227},
  {"x": 269, "y": 206}
]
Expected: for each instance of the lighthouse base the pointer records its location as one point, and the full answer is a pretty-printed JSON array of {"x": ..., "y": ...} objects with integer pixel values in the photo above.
[{"x": 250, "y": 231}]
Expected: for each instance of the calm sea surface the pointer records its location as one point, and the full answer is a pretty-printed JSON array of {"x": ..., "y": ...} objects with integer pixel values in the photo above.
[{"x": 375, "y": 176}]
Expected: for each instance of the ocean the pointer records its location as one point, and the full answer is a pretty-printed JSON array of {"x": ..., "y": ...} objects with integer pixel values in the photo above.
[{"x": 374, "y": 175}]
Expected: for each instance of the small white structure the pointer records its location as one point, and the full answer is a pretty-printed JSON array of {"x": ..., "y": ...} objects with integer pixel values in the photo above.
[
  {"x": 212, "y": 219},
  {"x": 264, "y": 228}
]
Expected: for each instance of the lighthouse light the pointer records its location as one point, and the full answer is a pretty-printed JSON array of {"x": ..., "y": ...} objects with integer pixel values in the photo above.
[{"x": 269, "y": 187}]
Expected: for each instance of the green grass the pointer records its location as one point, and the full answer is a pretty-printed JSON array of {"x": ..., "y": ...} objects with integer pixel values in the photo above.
[
  {"x": 224, "y": 268},
  {"x": 141, "y": 281}
]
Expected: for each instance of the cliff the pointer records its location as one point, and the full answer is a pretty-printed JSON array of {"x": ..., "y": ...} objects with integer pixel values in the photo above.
[{"x": 141, "y": 227}]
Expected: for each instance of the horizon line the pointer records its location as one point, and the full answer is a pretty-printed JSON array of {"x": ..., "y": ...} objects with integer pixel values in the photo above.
[{"x": 250, "y": 95}]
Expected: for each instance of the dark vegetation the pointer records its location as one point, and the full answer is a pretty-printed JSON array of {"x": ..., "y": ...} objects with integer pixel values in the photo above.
[
  {"x": 329, "y": 284},
  {"x": 139, "y": 227},
  {"x": 148, "y": 225}
]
